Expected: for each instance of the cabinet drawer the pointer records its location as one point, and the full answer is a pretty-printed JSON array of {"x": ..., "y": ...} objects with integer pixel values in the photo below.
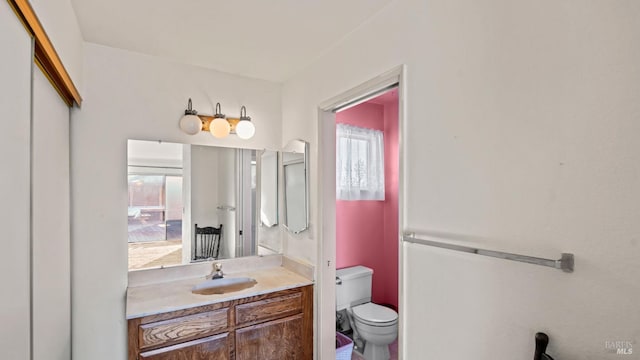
[
  {"x": 268, "y": 309},
  {"x": 214, "y": 347},
  {"x": 177, "y": 330}
]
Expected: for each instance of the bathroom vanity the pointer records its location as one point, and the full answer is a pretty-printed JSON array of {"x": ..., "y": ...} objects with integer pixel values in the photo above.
[
  {"x": 271, "y": 320},
  {"x": 262, "y": 306}
]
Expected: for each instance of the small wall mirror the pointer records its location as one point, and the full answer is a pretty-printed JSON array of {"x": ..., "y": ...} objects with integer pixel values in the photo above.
[
  {"x": 172, "y": 187},
  {"x": 296, "y": 195}
]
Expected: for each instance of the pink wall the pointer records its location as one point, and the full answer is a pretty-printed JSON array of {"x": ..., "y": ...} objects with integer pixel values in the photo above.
[{"x": 366, "y": 231}]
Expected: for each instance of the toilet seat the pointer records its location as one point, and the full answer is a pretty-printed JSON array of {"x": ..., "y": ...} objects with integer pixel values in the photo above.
[{"x": 375, "y": 315}]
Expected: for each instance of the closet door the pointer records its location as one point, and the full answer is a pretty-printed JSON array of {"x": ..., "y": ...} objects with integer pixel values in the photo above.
[
  {"x": 15, "y": 113},
  {"x": 50, "y": 223}
]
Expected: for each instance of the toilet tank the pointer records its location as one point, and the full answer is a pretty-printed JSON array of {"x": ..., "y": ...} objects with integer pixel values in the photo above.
[{"x": 355, "y": 288}]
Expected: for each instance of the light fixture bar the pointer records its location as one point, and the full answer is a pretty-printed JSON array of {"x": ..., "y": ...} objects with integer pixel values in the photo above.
[
  {"x": 218, "y": 125},
  {"x": 207, "y": 119}
]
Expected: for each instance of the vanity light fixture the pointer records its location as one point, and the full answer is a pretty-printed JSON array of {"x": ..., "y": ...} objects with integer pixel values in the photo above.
[{"x": 218, "y": 125}]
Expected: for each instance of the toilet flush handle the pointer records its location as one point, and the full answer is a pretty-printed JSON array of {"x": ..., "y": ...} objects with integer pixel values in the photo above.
[{"x": 338, "y": 281}]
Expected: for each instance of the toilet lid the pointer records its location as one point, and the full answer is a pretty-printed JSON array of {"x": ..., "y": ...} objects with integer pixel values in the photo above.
[{"x": 375, "y": 313}]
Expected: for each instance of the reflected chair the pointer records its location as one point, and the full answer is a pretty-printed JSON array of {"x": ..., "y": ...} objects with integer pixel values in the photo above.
[{"x": 207, "y": 242}]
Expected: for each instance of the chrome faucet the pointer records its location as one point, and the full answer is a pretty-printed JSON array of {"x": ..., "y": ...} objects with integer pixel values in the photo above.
[{"x": 216, "y": 273}]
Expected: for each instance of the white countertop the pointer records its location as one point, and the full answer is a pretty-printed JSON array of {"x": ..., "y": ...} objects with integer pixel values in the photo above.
[{"x": 176, "y": 295}]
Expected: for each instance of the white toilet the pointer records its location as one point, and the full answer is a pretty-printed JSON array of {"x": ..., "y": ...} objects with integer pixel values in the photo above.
[{"x": 375, "y": 324}]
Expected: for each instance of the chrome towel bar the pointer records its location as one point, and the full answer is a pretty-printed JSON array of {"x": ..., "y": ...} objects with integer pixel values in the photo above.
[{"x": 565, "y": 263}]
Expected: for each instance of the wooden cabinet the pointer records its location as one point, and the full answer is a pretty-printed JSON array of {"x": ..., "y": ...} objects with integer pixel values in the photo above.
[
  {"x": 278, "y": 339},
  {"x": 276, "y": 325}
]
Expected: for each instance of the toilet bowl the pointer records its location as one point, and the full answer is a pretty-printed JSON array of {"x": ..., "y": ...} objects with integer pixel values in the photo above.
[{"x": 378, "y": 327}]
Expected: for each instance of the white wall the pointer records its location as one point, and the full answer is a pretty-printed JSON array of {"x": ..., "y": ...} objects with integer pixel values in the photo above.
[
  {"x": 133, "y": 96},
  {"x": 154, "y": 153},
  {"x": 15, "y": 113},
  {"x": 59, "y": 21},
  {"x": 521, "y": 134},
  {"x": 205, "y": 184},
  {"x": 51, "y": 229}
]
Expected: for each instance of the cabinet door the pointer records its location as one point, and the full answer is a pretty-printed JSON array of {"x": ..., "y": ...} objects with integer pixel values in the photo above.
[
  {"x": 209, "y": 348},
  {"x": 273, "y": 340}
]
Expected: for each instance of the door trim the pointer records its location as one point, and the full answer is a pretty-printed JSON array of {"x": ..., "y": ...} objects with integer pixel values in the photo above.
[{"x": 326, "y": 198}]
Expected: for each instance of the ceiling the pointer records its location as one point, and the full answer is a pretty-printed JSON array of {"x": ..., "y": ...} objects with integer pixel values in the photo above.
[{"x": 270, "y": 40}]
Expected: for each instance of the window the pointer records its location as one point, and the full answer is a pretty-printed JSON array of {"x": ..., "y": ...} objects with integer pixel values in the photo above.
[{"x": 359, "y": 163}]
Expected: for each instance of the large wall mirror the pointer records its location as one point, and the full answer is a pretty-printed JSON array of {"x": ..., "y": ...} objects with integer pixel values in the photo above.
[
  {"x": 189, "y": 203},
  {"x": 295, "y": 161}
]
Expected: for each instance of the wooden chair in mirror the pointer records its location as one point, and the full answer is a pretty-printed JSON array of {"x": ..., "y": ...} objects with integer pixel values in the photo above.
[{"x": 207, "y": 242}]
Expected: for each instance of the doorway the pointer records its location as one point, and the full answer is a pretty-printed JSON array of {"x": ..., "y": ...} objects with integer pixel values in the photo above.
[{"x": 327, "y": 259}]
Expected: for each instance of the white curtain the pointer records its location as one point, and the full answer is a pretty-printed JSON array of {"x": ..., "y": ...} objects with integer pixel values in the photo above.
[{"x": 359, "y": 163}]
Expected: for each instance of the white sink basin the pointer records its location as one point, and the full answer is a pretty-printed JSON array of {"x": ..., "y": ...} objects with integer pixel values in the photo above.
[{"x": 223, "y": 286}]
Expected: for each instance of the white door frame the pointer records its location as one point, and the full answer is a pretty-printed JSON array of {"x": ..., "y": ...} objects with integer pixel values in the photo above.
[{"x": 325, "y": 305}]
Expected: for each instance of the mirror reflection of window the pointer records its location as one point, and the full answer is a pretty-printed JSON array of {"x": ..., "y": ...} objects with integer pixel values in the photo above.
[
  {"x": 155, "y": 204},
  {"x": 155, "y": 208}
]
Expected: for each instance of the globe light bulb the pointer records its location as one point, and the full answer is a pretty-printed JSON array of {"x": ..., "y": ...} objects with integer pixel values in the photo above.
[
  {"x": 191, "y": 124},
  {"x": 245, "y": 129},
  {"x": 219, "y": 127}
]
